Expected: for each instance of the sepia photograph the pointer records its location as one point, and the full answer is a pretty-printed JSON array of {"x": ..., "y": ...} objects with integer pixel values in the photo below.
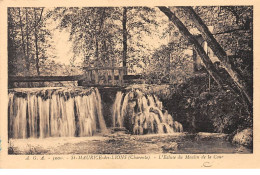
[{"x": 130, "y": 80}]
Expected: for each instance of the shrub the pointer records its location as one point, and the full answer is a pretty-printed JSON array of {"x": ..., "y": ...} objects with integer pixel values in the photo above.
[{"x": 201, "y": 109}]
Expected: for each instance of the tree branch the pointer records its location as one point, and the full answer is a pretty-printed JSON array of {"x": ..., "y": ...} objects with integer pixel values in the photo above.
[
  {"x": 218, "y": 51},
  {"x": 205, "y": 58}
]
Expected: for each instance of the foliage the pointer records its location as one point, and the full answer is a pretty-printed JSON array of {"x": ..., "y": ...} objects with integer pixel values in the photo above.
[
  {"x": 28, "y": 40},
  {"x": 98, "y": 38},
  {"x": 61, "y": 69},
  {"x": 142, "y": 25},
  {"x": 171, "y": 63},
  {"x": 203, "y": 108},
  {"x": 233, "y": 29},
  {"x": 177, "y": 68},
  {"x": 95, "y": 32}
]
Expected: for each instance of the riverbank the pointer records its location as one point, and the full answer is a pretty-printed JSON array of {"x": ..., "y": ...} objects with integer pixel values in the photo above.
[{"x": 121, "y": 143}]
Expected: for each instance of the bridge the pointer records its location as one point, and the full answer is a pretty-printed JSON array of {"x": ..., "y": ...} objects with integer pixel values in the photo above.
[{"x": 92, "y": 77}]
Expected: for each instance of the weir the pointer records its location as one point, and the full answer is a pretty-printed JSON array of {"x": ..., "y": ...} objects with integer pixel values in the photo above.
[
  {"x": 54, "y": 112},
  {"x": 78, "y": 111}
]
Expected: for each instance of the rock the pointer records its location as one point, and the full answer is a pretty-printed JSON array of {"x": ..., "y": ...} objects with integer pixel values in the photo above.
[
  {"x": 244, "y": 137},
  {"x": 170, "y": 148},
  {"x": 207, "y": 136}
]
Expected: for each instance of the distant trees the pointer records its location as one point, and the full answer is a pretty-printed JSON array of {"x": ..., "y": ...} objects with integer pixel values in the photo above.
[
  {"x": 112, "y": 36},
  {"x": 95, "y": 33},
  {"x": 103, "y": 36},
  {"x": 172, "y": 62},
  {"x": 115, "y": 36},
  {"x": 27, "y": 40},
  {"x": 142, "y": 25}
]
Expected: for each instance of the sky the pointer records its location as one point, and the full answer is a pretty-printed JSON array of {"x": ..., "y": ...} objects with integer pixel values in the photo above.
[{"x": 63, "y": 47}]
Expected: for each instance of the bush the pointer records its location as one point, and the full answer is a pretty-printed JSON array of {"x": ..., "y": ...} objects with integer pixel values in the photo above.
[{"x": 201, "y": 109}]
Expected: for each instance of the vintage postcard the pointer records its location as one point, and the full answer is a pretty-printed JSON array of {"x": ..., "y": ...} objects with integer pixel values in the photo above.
[{"x": 129, "y": 84}]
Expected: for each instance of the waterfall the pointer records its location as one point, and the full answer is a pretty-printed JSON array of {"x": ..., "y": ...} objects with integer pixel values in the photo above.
[
  {"x": 56, "y": 112},
  {"x": 142, "y": 113},
  {"x": 116, "y": 112}
]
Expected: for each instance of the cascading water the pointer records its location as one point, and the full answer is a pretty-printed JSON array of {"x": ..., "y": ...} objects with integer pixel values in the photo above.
[
  {"x": 56, "y": 112},
  {"x": 142, "y": 113}
]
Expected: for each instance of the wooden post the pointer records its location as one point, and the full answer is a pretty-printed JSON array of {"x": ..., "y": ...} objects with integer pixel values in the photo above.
[
  {"x": 89, "y": 76},
  {"x": 106, "y": 76},
  {"x": 96, "y": 76},
  {"x": 109, "y": 71},
  {"x": 120, "y": 76},
  {"x": 113, "y": 76}
]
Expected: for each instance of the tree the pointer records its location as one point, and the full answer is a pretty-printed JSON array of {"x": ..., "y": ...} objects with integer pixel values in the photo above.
[
  {"x": 12, "y": 45},
  {"x": 98, "y": 38},
  {"x": 36, "y": 22},
  {"x": 27, "y": 40},
  {"x": 235, "y": 35},
  {"x": 23, "y": 42},
  {"x": 218, "y": 51},
  {"x": 206, "y": 60},
  {"x": 142, "y": 23},
  {"x": 124, "y": 37}
]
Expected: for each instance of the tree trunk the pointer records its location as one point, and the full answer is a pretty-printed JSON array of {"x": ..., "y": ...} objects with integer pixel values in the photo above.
[
  {"x": 23, "y": 43},
  {"x": 204, "y": 57},
  {"x": 168, "y": 66},
  {"x": 194, "y": 57},
  {"x": 124, "y": 38},
  {"x": 97, "y": 50},
  {"x": 219, "y": 52},
  {"x": 27, "y": 40},
  {"x": 105, "y": 54},
  {"x": 36, "y": 43},
  {"x": 169, "y": 63},
  {"x": 102, "y": 36},
  {"x": 12, "y": 49}
]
